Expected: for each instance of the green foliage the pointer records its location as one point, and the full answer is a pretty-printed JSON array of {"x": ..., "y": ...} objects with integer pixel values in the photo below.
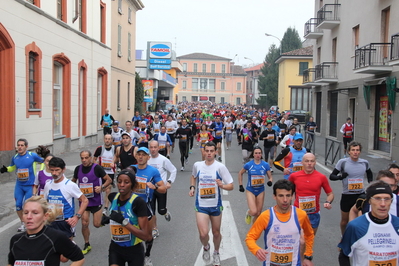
[
  {"x": 291, "y": 40},
  {"x": 268, "y": 81},
  {"x": 139, "y": 94}
]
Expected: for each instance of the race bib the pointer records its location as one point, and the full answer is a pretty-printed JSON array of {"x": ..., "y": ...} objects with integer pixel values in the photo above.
[
  {"x": 297, "y": 167},
  {"x": 270, "y": 137},
  {"x": 106, "y": 163},
  {"x": 257, "y": 180},
  {"x": 207, "y": 191},
  {"x": 87, "y": 189},
  {"x": 355, "y": 184},
  {"x": 142, "y": 184},
  {"x": 348, "y": 133},
  {"x": 119, "y": 233},
  {"x": 162, "y": 146},
  {"x": 170, "y": 129},
  {"x": 311, "y": 128},
  {"x": 23, "y": 174},
  {"x": 116, "y": 143},
  {"x": 308, "y": 204},
  {"x": 218, "y": 133},
  {"x": 283, "y": 259},
  {"x": 156, "y": 130},
  {"x": 183, "y": 137}
]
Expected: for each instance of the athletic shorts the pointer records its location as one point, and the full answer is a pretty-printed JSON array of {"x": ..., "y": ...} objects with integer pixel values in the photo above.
[
  {"x": 216, "y": 141},
  {"x": 94, "y": 209},
  {"x": 64, "y": 227},
  {"x": 211, "y": 211},
  {"x": 347, "y": 201},
  {"x": 118, "y": 255},
  {"x": 256, "y": 191},
  {"x": 159, "y": 198},
  {"x": 149, "y": 211},
  {"x": 314, "y": 219}
]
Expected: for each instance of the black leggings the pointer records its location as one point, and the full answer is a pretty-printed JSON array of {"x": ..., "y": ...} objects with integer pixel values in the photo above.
[
  {"x": 121, "y": 255},
  {"x": 183, "y": 146},
  {"x": 159, "y": 198}
]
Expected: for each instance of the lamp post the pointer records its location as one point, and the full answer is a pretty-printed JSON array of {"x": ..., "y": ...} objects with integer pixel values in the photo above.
[
  {"x": 253, "y": 82},
  {"x": 270, "y": 35}
]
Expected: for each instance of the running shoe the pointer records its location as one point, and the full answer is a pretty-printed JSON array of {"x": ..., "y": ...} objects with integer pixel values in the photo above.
[
  {"x": 147, "y": 261},
  {"x": 182, "y": 169},
  {"x": 271, "y": 170},
  {"x": 248, "y": 218},
  {"x": 216, "y": 259},
  {"x": 86, "y": 248},
  {"x": 206, "y": 255},
  {"x": 167, "y": 156},
  {"x": 155, "y": 233},
  {"x": 190, "y": 151},
  {"x": 186, "y": 161},
  {"x": 21, "y": 228},
  {"x": 227, "y": 148},
  {"x": 168, "y": 216},
  {"x": 105, "y": 211}
]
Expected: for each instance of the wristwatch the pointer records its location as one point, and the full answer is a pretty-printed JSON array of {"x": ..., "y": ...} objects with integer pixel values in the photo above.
[
  {"x": 308, "y": 257},
  {"x": 78, "y": 215},
  {"x": 170, "y": 182},
  {"x": 156, "y": 186},
  {"x": 125, "y": 222}
]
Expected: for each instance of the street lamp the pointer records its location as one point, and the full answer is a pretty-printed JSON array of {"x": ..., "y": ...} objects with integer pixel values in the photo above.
[
  {"x": 270, "y": 35},
  {"x": 253, "y": 64}
]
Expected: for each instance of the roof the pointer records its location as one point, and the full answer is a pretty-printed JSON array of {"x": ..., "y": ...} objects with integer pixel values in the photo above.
[
  {"x": 202, "y": 56},
  {"x": 307, "y": 51},
  {"x": 254, "y": 68},
  {"x": 237, "y": 70}
]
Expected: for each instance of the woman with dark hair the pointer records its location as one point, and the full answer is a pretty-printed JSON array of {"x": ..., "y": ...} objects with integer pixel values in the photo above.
[
  {"x": 128, "y": 222},
  {"x": 44, "y": 174},
  {"x": 203, "y": 137},
  {"x": 257, "y": 171}
]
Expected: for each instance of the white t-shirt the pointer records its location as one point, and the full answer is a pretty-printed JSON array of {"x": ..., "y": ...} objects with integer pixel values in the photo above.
[{"x": 164, "y": 166}]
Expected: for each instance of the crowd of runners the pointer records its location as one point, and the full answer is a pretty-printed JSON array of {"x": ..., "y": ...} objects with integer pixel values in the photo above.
[{"x": 135, "y": 160}]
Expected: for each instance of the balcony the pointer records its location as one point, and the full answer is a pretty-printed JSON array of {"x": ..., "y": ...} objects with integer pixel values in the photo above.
[
  {"x": 311, "y": 31},
  {"x": 328, "y": 16},
  {"x": 372, "y": 59},
  {"x": 394, "y": 59},
  {"x": 326, "y": 73},
  {"x": 309, "y": 77}
]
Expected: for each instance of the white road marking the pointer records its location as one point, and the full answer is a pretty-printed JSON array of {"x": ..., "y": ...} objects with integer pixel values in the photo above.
[
  {"x": 10, "y": 224},
  {"x": 231, "y": 245},
  {"x": 325, "y": 168},
  {"x": 225, "y": 192}
]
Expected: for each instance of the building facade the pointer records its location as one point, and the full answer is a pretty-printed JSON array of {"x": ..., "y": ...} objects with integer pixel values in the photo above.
[
  {"x": 212, "y": 78},
  {"x": 252, "y": 83},
  {"x": 123, "y": 58},
  {"x": 55, "y": 59},
  {"x": 292, "y": 95},
  {"x": 356, "y": 57}
]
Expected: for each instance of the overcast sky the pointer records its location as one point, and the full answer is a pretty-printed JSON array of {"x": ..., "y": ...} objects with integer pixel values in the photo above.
[{"x": 221, "y": 27}]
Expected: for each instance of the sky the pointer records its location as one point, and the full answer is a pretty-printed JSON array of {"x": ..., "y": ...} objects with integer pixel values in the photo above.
[{"x": 223, "y": 28}]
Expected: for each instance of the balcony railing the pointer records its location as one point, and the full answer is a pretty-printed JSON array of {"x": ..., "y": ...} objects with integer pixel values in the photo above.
[
  {"x": 326, "y": 71},
  {"x": 373, "y": 54},
  {"x": 311, "y": 31},
  {"x": 395, "y": 47},
  {"x": 328, "y": 12},
  {"x": 308, "y": 75}
]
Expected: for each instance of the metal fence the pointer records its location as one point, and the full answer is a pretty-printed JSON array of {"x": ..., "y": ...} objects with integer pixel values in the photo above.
[
  {"x": 310, "y": 141},
  {"x": 332, "y": 151},
  {"x": 329, "y": 12},
  {"x": 310, "y": 26},
  {"x": 326, "y": 70},
  {"x": 395, "y": 47},
  {"x": 373, "y": 54}
]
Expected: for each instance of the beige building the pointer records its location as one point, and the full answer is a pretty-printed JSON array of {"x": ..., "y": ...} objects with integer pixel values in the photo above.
[
  {"x": 212, "y": 78},
  {"x": 356, "y": 65},
  {"x": 55, "y": 60},
  {"x": 123, "y": 58}
]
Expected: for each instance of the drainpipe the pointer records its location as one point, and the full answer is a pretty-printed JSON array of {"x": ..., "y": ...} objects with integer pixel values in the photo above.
[{"x": 76, "y": 11}]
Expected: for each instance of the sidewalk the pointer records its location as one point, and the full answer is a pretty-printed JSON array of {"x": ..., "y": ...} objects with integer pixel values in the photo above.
[{"x": 7, "y": 184}]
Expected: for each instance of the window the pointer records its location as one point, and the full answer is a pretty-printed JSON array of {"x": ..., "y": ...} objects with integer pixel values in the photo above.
[
  {"x": 62, "y": 10},
  {"x": 82, "y": 121},
  {"x": 118, "y": 96},
  {"x": 238, "y": 86},
  {"x": 222, "y": 100},
  {"x": 300, "y": 98},
  {"x": 223, "y": 68},
  {"x": 212, "y": 84},
  {"x": 195, "y": 84},
  {"x": 356, "y": 31},
  {"x": 119, "y": 40},
  {"x": 34, "y": 2},
  {"x": 222, "y": 86},
  {"x": 120, "y": 7},
  {"x": 57, "y": 98},
  {"x": 129, "y": 15},
  {"x": 195, "y": 67},
  {"x": 184, "y": 67},
  {"x": 303, "y": 66},
  {"x": 203, "y": 84},
  {"x": 102, "y": 22},
  {"x": 82, "y": 16},
  {"x": 212, "y": 99},
  {"x": 184, "y": 98},
  {"x": 213, "y": 68},
  {"x": 34, "y": 77},
  {"x": 204, "y": 68},
  {"x": 128, "y": 96},
  {"x": 184, "y": 84},
  {"x": 194, "y": 98},
  {"x": 102, "y": 89},
  {"x": 238, "y": 101},
  {"x": 334, "y": 50},
  {"x": 129, "y": 46}
]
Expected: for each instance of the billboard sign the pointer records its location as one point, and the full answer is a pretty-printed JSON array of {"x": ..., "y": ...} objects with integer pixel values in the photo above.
[{"x": 160, "y": 49}]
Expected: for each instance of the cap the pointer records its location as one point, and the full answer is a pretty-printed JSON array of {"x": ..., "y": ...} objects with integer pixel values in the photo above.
[
  {"x": 125, "y": 133},
  {"x": 144, "y": 149},
  {"x": 298, "y": 136}
]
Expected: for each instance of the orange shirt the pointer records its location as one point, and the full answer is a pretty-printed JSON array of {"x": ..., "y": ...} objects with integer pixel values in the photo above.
[{"x": 263, "y": 220}]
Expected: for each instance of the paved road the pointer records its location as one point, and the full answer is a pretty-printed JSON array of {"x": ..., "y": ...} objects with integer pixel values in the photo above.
[{"x": 178, "y": 243}]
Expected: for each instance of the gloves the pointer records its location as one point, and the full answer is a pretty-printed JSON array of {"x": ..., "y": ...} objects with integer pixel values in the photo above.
[
  {"x": 104, "y": 220},
  {"x": 117, "y": 217},
  {"x": 241, "y": 188},
  {"x": 269, "y": 183},
  {"x": 3, "y": 169},
  {"x": 344, "y": 175}
]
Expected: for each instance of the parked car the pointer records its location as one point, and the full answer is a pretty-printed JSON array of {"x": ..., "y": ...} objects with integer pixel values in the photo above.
[{"x": 298, "y": 114}]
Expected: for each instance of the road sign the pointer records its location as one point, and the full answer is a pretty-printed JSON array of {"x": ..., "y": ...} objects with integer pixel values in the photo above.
[{"x": 262, "y": 94}]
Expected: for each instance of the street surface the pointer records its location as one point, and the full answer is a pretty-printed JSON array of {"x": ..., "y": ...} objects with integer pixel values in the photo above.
[{"x": 178, "y": 243}]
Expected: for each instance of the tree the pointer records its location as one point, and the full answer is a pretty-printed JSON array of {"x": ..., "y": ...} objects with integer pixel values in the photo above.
[
  {"x": 291, "y": 40},
  {"x": 139, "y": 94},
  {"x": 268, "y": 81}
]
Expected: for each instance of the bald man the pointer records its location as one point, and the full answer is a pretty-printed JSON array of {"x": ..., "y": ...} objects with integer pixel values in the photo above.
[{"x": 308, "y": 183}]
